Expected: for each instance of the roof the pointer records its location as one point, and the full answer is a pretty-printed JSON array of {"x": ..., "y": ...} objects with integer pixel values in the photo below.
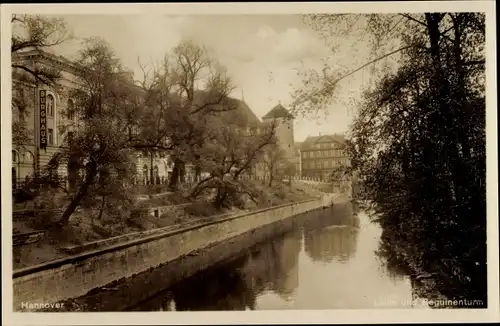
[
  {"x": 241, "y": 115},
  {"x": 239, "y": 112},
  {"x": 278, "y": 111},
  {"x": 311, "y": 140},
  {"x": 45, "y": 56},
  {"x": 63, "y": 64}
]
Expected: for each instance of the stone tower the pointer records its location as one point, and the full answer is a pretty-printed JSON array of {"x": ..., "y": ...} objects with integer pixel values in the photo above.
[{"x": 284, "y": 128}]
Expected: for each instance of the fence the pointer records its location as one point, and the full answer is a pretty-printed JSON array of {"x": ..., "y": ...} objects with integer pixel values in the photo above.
[{"x": 33, "y": 183}]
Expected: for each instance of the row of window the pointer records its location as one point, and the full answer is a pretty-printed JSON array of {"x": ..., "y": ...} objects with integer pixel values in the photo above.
[
  {"x": 50, "y": 112},
  {"x": 329, "y": 153},
  {"x": 325, "y": 145},
  {"x": 50, "y": 137},
  {"x": 26, "y": 157},
  {"x": 51, "y": 107},
  {"x": 322, "y": 164}
]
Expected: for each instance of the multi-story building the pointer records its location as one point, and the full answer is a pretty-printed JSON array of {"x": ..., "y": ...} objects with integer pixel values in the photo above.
[
  {"x": 322, "y": 155},
  {"x": 43, "y": 113},
  {"x": 46, "y": 110}
]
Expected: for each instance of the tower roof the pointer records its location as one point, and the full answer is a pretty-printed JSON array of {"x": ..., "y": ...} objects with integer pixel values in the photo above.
[{"x": 278, "y": 111}]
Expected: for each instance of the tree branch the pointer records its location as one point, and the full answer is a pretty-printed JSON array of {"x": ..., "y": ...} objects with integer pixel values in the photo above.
[
  {"x": 33, "y": 73},
  {"x": 414, "y": 19}
]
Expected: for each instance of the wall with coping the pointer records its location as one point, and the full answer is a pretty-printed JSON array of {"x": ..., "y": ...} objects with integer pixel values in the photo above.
[{"x": 76, "y": 275}]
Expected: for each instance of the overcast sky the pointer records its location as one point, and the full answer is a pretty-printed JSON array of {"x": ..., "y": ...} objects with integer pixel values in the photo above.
[{"x": 261, "y": 53}]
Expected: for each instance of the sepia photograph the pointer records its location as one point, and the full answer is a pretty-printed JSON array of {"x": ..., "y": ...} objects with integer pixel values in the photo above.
[{"x": 175, "y": 160}]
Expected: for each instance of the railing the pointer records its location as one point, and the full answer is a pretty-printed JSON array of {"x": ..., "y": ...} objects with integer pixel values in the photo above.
[{"x": 34, "y": 184}]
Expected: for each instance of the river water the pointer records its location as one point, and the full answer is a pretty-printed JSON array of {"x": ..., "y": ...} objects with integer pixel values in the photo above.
[{"x": 327, "y": 262}]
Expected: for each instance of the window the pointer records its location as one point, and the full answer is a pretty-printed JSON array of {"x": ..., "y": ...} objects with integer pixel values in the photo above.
[
  {"x": 50, "y": 105},
  {"x": 50, "y": 137},
  {"x": 28, "y": 157}
]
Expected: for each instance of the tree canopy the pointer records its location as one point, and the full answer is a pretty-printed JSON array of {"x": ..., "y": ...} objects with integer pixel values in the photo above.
[{"x": 418, "y": 139}]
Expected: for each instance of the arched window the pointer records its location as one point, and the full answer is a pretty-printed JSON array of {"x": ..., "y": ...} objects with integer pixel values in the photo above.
[
  {"x": 28, "y": 157},
  {"x": 71, "y": 110},
  {"x": 145, "y": 174},
  {"x": 15, "y": 157},
  {"x": 50, "y": 105}
]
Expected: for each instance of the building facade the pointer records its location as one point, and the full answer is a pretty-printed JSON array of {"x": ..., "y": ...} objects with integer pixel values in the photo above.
[
  {"x": 48, "y": 119},
  {"x": 322, "y": 155},
  {"x": 43, "y": 115}
]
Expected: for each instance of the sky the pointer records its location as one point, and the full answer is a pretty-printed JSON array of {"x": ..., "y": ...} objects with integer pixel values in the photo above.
[{"x": 260, "y": 52}]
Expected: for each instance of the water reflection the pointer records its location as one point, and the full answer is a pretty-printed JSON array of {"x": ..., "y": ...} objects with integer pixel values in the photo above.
[
  {"x": 333, "y": 237},
  {"x": 327, "y": 262},
  {"x": 271, "y": 266}
]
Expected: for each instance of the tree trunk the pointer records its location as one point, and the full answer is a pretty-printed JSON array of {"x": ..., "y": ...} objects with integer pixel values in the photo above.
[
  {"x": 220, "y": 198},
  {"x": 82, "y": 192},
  {"x": 174, "y": 177},
  {"x": 271, "y": 178},
  {"x": 102, "y": 207},
  {"x": 197, "y": 175},
  {"x": 182, "y": 172}
]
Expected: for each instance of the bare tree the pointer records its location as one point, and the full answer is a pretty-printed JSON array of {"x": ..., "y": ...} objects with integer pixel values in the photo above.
[
  {"x": 181, "y": 93},
  {"x": 274, "y": 160},
  {"x": 101, "y": 147},
  {"x": 227, "y": 156},
  {"x": 33, "y": 32}
]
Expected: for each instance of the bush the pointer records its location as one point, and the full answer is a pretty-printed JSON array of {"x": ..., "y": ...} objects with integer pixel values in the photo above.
[{"x": 201, "y": 209}]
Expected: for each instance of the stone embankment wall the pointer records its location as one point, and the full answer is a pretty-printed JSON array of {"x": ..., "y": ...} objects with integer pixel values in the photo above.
[{"x": 76, "y": 275}]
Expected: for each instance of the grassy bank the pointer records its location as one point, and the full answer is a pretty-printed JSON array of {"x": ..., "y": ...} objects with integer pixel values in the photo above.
[{"x": 84, "y": 227}]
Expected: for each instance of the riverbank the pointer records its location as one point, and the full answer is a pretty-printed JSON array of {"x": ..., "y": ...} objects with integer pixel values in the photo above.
[
  {"x": 76, "y": 275},
  {"x": 124, "y": 294},
  {"x": 84, "y": 228}
]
